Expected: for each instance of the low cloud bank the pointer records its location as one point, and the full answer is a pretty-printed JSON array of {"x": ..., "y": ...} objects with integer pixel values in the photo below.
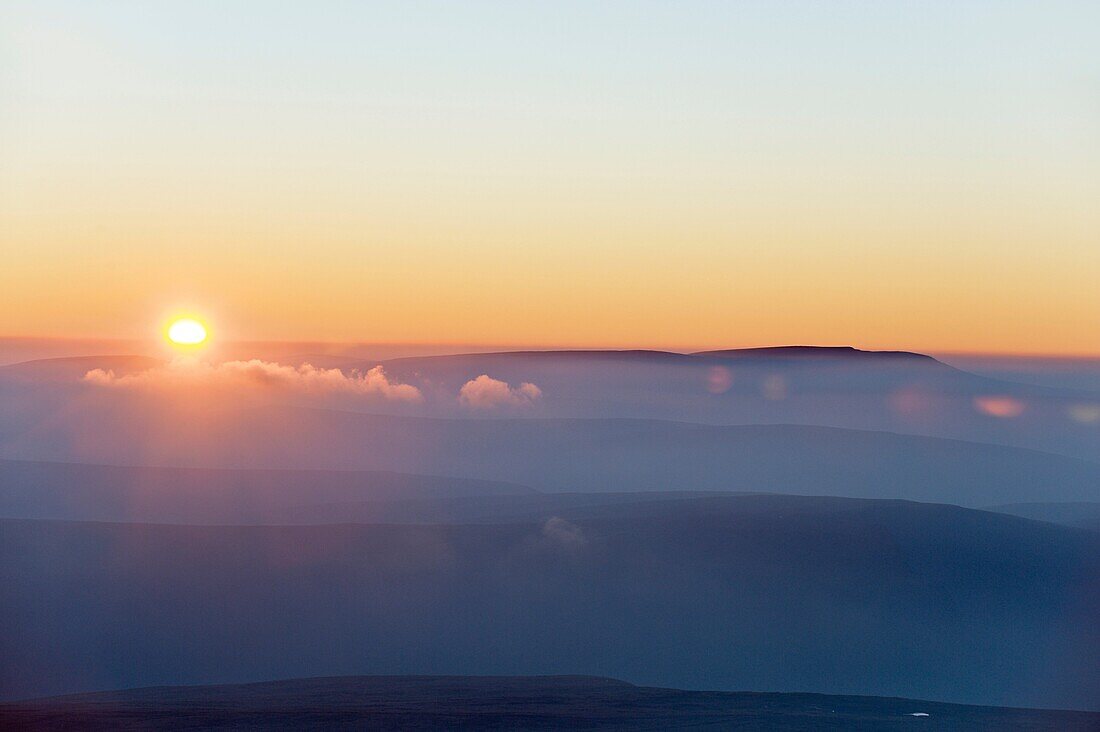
[
  {"x": 183, "y": 374},
  {"x": 485, "y": 392}
]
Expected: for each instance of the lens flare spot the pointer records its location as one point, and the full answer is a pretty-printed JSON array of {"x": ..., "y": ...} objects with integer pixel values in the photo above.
[
  {"x": 774, "y": 387},
  {"x": 1002, "y": 407},
  {"x": 719, "y": 380},
  {"x": 910, "y": 401},
  {"x": 1084, "y": 413}
]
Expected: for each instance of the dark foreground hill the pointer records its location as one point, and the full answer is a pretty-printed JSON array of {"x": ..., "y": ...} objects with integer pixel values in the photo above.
[
  {"x": 508, "y": 702},
  {"x": 887, "y": 598}
]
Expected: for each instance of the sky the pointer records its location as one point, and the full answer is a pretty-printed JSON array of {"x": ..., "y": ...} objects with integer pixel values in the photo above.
[{"x": 644, "y": 174}]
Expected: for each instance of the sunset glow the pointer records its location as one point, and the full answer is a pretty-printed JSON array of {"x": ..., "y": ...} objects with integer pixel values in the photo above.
[
  {"x": 940, "y": 197},
  {"x": 743, "y": 346},
  {"x": 187, "y": 332}
]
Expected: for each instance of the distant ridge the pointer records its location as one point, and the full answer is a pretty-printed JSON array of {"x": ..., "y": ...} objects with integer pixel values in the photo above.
[
  {"x": 74, "y": 367},
  {"x": 785, "y": 351},
  {"x": 815, "y": 352},
  {"x": 789, "y": 353},
  {"x": 66, "y": 366},
  {"x": 636, "y": 354}
]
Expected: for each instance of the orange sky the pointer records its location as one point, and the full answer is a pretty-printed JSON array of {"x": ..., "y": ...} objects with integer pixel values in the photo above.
[{"x": 903, "y": 182}]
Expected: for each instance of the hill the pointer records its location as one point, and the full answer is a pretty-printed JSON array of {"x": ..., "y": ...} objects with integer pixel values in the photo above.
[
  {"x": 837, "y": 387},
  {"x": 566, "y": 455},
  {"x": 509, "y": 702},
  {"x": 73, "y": 368},
  {"x": 193, "y": 495},
  {"x": 1082, "y": 514},
  {"x": 887, "y": 598}
]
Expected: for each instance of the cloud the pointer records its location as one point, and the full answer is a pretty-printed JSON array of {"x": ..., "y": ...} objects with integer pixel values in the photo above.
[
  {"x": 191, "y": 374},
  {"x": 485, "y": 392},
  {"x": 562, "y": 532}
]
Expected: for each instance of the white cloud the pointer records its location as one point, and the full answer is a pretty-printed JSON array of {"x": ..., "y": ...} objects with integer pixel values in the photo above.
[
  {"x": 562, "y": 532},
  {"x": 485, "y": 392},
  {"x": 184, "y": 373}
]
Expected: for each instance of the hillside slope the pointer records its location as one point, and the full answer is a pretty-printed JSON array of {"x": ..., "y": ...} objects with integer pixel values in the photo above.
[
  {"x": 508, "y": 702},
  {"x": 872, "y": 597}
]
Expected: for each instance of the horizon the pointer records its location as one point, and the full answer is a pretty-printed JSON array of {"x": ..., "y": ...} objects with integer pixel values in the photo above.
[{"x": 146, "y": 345}]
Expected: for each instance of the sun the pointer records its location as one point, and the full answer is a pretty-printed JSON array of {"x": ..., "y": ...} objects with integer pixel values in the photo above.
[{"x": 186, "y": 332}]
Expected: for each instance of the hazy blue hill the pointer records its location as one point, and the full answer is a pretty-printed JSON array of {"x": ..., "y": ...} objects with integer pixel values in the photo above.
[
  {"x": 839, "y": 387},
  {"x": 1082, "y": 514},
  {"x": 591, "y": 506},
  {"x": 510, "y": 702},
  {"x": 477, "y": 509},
  {"x": 1081, "y": 374},
  {"x": 191, "y": 495},
  {"x": 633, "y": 381},
  {"x": 570, "y": 455},
  {"x": 72, "y": 491},
  {"x": 815, "y": 367},
  {"x": 835, "y": 386},
  {"x": 630, "y": 455},
  {"x": 73, "y": 368},
  {"x": 872, "y": 597}
]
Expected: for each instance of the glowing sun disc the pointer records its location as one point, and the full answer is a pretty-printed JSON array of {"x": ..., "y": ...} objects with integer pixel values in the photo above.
[{"x": 187, "y": 332}]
